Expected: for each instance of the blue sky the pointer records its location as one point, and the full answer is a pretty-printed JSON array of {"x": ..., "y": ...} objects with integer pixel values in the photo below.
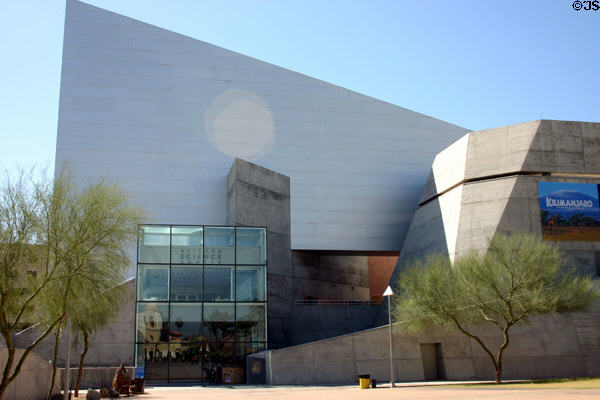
[{"x": 477, "y": 64}]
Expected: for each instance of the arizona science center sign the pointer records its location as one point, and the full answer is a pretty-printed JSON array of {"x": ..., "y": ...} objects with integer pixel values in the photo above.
[{"x": 570, "y": 211}]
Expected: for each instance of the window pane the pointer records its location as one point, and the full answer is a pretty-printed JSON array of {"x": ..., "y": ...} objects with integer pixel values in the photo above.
[
  {"x": 153, "y": 282},
  {"x": 186, "y": 245},
  {"x": 250, "y": 284},
  {"x": 250, "y": 322},
  {"x": 154, "y": 244},
  {"x": 218, "y": 283},
  {"x": 186, "y": 322},
  {"x": 185, "y": 362},
  {"x": 216, "y": 356},
  {"x": 219, "y": 245},
  {"x": 251, "y": 247},
  {"x": 243, "y": 349},
  {"x": 219, "y": 322},
  {"x": 186, "y": 283},
  {"x": 152, "y": 322},
  {"x": 157, "y": 365}
]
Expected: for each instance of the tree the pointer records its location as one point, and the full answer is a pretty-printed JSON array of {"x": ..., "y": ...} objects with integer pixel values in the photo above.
[
  {"x": 25, "y": 268},
  {"x": 96, "y": 225},
  {"x": 517, "y": 277},
  {"x": 72, "y": 241},
  {"x": 93, "y": 314}
]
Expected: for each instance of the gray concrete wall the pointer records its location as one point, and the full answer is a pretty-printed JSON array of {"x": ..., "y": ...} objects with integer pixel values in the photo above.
[
  {"x": 321, "y": 321},
  {"x": 495, "y": 187},
  {"x": 257, "y": 196},
  {"x": 559, "y": 345},
  {"x": 33, "y": 381},
  {"x": 335, "y": 277},
  {"x": 110, "y": 346},
  {"x": 332, "y": 276},
  {"x": 486, "y": 183}
]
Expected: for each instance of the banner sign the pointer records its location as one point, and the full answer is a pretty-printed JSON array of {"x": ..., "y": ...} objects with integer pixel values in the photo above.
[
  {"x": 570, "y": 211},
  {"x": 140, "y": 372}
]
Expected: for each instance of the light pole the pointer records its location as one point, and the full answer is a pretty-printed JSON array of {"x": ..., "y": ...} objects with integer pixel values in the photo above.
[
  {"x": 68, "y": 361},
  {"x": 389, "y": 293}
]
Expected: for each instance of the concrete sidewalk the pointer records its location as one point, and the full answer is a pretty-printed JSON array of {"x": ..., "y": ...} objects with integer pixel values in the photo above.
[{"x": 407, "y": 390}]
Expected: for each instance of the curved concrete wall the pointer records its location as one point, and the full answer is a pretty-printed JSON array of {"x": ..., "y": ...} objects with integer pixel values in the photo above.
[{"x": 487, "y": 182}]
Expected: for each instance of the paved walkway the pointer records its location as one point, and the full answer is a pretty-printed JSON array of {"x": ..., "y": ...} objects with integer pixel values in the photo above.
[{"x": 405, "y": 391}]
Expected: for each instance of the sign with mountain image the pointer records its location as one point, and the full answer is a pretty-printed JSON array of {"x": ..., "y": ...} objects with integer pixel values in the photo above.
[{"x": 570, "y": 211}]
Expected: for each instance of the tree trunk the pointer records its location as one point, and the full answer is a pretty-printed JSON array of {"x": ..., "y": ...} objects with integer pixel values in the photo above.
[
  {"x": 86, "y": 347},
  {"x": 497, "y": 362},
  {"x": 7, "y": 378},
  {"x": 9, "y": 362},
  {"x": 54, "y": 360},
  {"x": 501, "y": 353},
  {"x": 499, "y": 365},
  {"x": 499, "y": 375}
]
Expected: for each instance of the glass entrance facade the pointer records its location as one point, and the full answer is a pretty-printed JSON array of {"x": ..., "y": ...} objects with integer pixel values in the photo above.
[{"x": 201, "y": 301}]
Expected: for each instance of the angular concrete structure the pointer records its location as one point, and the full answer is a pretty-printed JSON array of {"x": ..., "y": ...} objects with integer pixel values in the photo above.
[
  {"x": 261, "y": 197},
  {"x": 201, "y": 135},
  {"x": 165, "y": 115},
  {"x": 333, "y": 175},
  {"x": 486, "y": 182},
  {"x": 257, "y": 196}
]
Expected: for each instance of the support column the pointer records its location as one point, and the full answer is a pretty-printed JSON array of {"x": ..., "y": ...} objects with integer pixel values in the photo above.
[{"x": 257, "y": 196}]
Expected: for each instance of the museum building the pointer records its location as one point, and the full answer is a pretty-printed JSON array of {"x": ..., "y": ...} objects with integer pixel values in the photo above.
[{"x": 280, "y": 206}]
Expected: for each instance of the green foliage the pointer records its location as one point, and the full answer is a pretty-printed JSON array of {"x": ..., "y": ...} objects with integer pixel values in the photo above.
[
  {"x": 89, "y": 236},
  {"x": 424, "y": 295},
  {"x": 61, "y": 248},
  {"x": 517, "y": 277},
  {"x": 21, "y": 216}
]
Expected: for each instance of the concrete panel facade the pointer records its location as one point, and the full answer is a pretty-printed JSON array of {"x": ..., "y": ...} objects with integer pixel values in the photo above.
[
  {"x": 327, "y": 276},
  {"x": 257, "y": 196},
  {"x": 551, "y": 346},
  {"x": 165, "y": 115},
  {"x": 313, "y": 322},
  {"x": 34, "y": 379},
  {"x": 498, "y": 192},
  {"x": 498, "y": 189}
]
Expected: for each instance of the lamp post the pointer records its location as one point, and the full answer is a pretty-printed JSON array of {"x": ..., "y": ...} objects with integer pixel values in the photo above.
[
  {"x": 389, "y": 293},
  {"x": 68, "y": 361}
]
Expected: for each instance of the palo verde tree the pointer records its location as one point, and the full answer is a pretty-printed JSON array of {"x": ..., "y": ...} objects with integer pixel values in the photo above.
[
  {"x": 98, "y": 223},
  {"x": 26, "y": 268},
  {"x": 92, "y": 313},
  {"x": 519, "y": 276},
  {"x": 78, "y": 239}
]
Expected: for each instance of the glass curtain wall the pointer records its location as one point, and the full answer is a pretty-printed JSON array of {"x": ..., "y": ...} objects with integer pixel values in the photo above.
[{"x": 201, "y": 301}]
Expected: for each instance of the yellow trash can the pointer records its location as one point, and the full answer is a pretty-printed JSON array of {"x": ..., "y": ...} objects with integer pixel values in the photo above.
[{"x": 364, "y": 381}]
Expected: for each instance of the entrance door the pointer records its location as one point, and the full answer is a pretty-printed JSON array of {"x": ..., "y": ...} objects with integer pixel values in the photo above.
[
  {"x": 433, "y": 361},
  {"x": 185, "y": 362}
]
